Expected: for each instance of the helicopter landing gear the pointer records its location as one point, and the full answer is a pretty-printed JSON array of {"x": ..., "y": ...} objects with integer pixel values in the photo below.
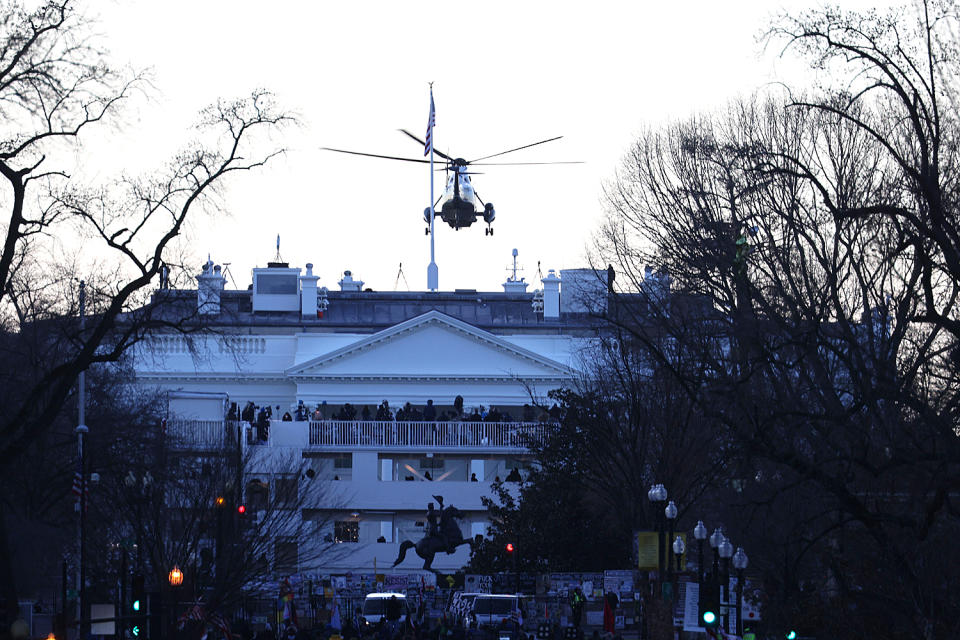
[
  {"x": 488, "y": 231},
  {"x": 426, "y": 231}
]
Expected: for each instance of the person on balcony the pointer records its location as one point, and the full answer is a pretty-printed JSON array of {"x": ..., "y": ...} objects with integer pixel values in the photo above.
[
  {"x": 365, "y": 414},
  {"x": 514, "y": 475},
  {"x": 287, "y": 417},
  {"x": 430, "y": 412}
]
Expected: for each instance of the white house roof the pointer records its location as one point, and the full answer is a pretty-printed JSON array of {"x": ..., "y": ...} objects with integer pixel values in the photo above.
[{"x": 430, "y": 345}]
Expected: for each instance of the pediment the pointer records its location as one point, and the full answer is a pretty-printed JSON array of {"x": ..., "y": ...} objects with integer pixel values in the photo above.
[{"x": 432, "y": 345}]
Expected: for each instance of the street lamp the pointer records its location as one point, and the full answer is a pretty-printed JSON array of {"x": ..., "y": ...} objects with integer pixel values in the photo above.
[
  {"x": 671, "y": 513},
  {"x": 715, "y": 539},
  {"x": 740, "y": 563},
  {"x": 175, "y": 576},
  {"x": 679, "y": 548},
  {"x": 700, "y": 533},
  {"x": 726, "y": 550},
  {"x": 658, "y": 495}
]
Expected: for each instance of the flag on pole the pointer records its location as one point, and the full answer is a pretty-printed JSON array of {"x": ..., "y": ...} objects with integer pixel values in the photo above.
[
  {"x": 78, "y": 488},
  {"x": 431, "y": 121}
]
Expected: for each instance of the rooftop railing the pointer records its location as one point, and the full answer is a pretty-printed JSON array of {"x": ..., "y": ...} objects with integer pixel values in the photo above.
[
  {"x": 211, "y": 435},
  {"x": 428, "y": 435}
]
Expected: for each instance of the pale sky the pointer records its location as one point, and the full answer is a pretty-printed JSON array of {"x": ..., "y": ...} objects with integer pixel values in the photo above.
[{"x": 505, "y": 74}]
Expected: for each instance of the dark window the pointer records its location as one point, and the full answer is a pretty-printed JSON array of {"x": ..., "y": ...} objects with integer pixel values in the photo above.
[
  {"x": 431, "y": 463},
  {"x": 285, "y": 557},
  {"x": 285, "y": 490},
  {"x": 277, "y": 284},
  {"x": 343, "y": 462},
  {"x": 346, "y": 531}
]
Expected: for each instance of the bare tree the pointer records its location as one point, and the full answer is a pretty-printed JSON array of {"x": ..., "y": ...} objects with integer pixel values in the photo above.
[
  {"x": 56, "y": 83},
  {"x": 820, "y": 230}
]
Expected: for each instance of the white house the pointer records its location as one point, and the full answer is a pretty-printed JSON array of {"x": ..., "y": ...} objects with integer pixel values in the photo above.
[{"x": 331, "y": 358}]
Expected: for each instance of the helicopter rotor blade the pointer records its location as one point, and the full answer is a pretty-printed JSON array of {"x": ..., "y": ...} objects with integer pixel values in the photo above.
[
  {"x": 512, "y": 150},
  {"x": 439, "y": 153},
  {"x": 511, "y": 164},
  {"x": 375, "y": 155}
]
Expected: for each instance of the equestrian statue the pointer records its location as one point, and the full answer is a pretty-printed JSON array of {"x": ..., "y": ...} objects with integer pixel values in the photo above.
[{"x": 443, "y": 534}]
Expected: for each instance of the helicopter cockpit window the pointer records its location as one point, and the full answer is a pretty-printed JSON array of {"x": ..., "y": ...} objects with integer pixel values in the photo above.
[{"x": 276, "y": 284}]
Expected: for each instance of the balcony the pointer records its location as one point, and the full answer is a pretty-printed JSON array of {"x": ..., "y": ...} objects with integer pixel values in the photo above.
[
  {"x": 433, "y": 436},
  {"x": 347, "y": 435}
]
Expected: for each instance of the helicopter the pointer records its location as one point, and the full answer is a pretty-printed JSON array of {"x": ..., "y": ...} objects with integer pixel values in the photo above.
[{"x": 459, "y": 204}]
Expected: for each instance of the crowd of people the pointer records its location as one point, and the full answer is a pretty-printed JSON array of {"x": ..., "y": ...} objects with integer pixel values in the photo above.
[{"x": 259, "y": 417}]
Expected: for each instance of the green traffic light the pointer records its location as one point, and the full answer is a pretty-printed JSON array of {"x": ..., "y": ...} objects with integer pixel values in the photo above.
[
  {"x": 136, "y": 630},
  {"x": 136, "y": 605},
  {"x": 791, "y": 635},
  {"x": 709, "y": 617}
]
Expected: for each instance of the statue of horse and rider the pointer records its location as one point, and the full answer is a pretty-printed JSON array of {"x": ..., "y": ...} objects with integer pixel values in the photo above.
[{"x": 443, "y": 534}]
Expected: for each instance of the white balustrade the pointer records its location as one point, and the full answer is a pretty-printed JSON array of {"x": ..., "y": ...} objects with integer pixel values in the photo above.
[{"x": 365, "y": 434}]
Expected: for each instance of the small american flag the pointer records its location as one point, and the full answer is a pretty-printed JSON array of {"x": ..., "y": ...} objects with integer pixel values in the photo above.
[
  {"x": 78, "y": 486},
  {"x": 431, "y": 122}
]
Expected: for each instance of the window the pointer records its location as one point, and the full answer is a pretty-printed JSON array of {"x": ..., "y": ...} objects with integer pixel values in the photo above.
[
  {"x": 343, "y": 462},
  {"x": 431, "y": 463},
  {"x": 257, "y": 495},
  {"x": 285, "y": 490},
  {"x": 276, "y": 284},
  {"x": 346, "y": 531},
  {"x": 285, "y": 557}
]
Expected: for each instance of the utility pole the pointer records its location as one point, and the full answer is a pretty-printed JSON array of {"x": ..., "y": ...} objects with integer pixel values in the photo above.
[{"x": 82, "y": 430}]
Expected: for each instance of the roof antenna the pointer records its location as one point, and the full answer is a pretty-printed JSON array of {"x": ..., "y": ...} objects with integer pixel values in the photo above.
[
  {"x": 539, "y": 273},
  {"x": 513, "y": 277},
  {"x": 401, "y": 275},
  {"x": 278, "y": 258},
  {"x": 226, "y": 272}
]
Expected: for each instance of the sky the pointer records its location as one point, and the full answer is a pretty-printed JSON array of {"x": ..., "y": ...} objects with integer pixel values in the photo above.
[{"x": 505, "y": 74}]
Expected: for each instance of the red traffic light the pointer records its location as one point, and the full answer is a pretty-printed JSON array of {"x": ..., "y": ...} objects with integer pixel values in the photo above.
[
  {"x": 509, "y": 547},
  {"x": 242, "y": 509}
]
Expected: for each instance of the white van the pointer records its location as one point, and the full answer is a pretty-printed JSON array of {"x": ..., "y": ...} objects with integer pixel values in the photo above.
[
  {"x": 375, "y": 607},
  {"x": 492, "y": 610}
]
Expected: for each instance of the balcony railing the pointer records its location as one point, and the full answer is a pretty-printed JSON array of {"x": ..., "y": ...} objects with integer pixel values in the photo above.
[
  {"x": 211, "y": 435},
  {"x": 432, "y": 435}
]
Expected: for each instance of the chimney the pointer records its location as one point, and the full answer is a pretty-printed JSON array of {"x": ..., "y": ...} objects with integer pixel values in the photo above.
[
  {"x": 551, "y": 296},
  {"x": 308, "y": 293},
  {"x": 210, "y": 285},
  {"x": 347, "y": 283}
]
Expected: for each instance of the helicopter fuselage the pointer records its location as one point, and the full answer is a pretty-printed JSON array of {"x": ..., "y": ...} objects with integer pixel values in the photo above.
[{"x": 458, "y": 204}]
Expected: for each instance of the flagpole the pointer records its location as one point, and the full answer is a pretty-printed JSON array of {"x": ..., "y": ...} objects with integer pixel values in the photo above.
[
  {"x": 81, "y": 463},
  {"x": 433, "y": 273}
]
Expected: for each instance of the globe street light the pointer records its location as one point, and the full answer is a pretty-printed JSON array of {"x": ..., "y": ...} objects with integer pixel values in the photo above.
[
  {"x": 658, "y": 495},
  {"x": 175, "y": 576},
  {"x": 715, "y": 539},
  {"x": 726, "y": 550},
  {"x": 700, "y": 533},
  {"x": 740, "y": 563},
  {"x": 679, "y": 548},
  {"x": 671, "y": 513}
]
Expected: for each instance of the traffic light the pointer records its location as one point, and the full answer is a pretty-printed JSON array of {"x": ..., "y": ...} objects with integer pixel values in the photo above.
[
  {"x": 242, "y": 509},
  {"x": 136, "y": 592},
  {"x": 709, "y": 603},
  {"x": 791, "y": 635},
  {"x": 509, "y": 547}
]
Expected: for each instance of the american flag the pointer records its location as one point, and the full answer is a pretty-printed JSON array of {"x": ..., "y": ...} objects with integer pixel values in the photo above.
[
  {"x": 431, "y": 122},
  {"x": 78, "y": 487}
]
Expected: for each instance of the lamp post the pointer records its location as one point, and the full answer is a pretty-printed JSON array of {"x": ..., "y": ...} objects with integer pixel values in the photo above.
[
  {"x": 700, "y": 533},
  {"x": 658, "y": 495},
  {"x": 175, "y": 577},
  {"x": 715, "y": 539},
  {"x": 671, "y": 514},
  {"x": 726, "y": 550},
  {"x": 679, "y": 548},
  {"x": 740, "y": 563}
]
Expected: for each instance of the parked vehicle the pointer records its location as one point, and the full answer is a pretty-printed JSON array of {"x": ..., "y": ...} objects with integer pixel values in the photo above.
[
  {"x": 498, "y": 611},
  {"x": 376, "y": 607}
]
